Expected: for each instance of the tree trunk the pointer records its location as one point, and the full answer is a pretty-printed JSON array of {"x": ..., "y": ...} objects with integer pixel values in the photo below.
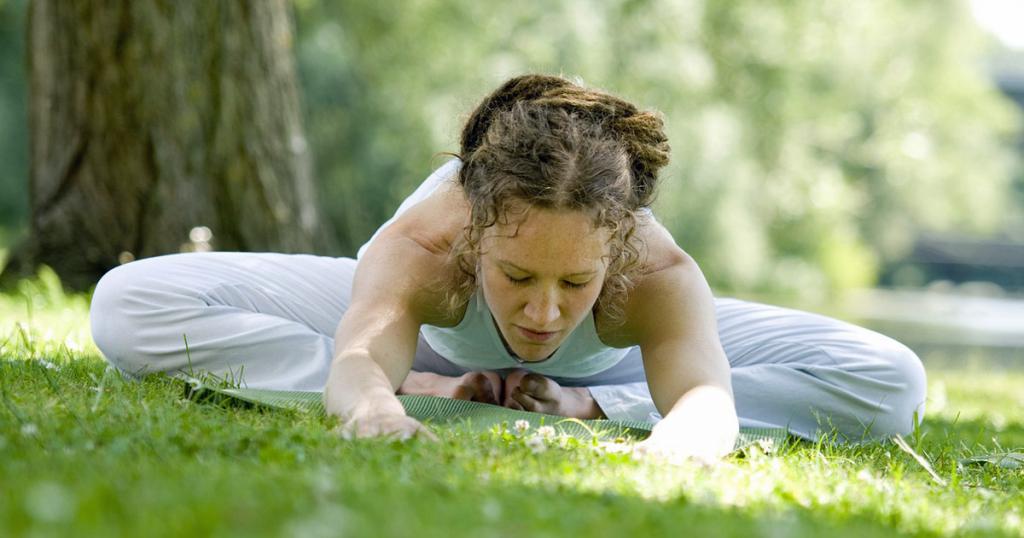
[{"x": 152, "y": 118}]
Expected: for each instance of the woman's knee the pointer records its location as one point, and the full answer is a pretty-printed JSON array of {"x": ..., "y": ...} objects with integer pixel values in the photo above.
[
  {"x": 880, "y": 386},
  {"x": 126, "y": 308},
  {"x": 903, "y": 408},
  {"x": 111, "y": 328},
  {"x": 872, "y": 389}
]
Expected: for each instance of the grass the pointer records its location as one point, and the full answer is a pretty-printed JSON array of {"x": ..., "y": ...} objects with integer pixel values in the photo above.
[{"x": 83, "y": 452}]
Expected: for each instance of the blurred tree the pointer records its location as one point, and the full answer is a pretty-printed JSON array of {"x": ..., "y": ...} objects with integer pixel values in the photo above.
[{"x": 149, "y": 119}]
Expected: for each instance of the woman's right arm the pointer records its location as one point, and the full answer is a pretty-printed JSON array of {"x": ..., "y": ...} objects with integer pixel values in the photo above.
[{"x": 375, "y": 343}]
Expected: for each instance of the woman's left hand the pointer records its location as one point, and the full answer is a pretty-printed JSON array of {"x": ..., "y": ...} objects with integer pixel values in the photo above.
[
  {"x": 528, "y": 391},
  {"x": 702, "y": 428}
]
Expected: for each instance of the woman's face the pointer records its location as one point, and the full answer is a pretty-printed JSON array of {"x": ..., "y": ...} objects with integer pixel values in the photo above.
[{"x": 541, "y": 274}]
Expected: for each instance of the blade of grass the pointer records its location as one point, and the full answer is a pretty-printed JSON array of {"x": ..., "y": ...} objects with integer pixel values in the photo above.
[
  {"x": 900, "y": 442},
  {"x": 18, "y": 414},
  {"x": 60, "y": 396}
]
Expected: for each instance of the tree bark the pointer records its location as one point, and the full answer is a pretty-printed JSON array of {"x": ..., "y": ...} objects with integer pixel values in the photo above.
[{"x": 150, "y": 118}]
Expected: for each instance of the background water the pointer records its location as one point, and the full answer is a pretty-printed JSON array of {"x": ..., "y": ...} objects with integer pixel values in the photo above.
[{"x": 948, "y": 330}]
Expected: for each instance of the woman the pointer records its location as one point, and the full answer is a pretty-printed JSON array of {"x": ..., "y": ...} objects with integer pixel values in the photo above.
[{"x": 527, "y": 272}]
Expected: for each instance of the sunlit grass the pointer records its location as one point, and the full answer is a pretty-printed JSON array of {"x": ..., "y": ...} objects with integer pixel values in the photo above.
[
  {"x": 84, "y": 452},
  {"x": 45, "y": 321}
]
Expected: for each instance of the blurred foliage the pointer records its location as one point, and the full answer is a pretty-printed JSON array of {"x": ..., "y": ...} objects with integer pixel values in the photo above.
[
  {"x": 13, "y": 119},
  {"x": 812, "y": 139},
  {"x": 1008, "y": 65}
]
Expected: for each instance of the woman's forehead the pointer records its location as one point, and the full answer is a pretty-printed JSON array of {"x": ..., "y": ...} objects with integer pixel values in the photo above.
[
  {"x": 515, "y": 215},
  {"x": 548, "y": 239}
]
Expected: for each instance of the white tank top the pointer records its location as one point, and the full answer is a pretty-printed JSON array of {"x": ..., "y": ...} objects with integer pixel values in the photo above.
[{"x": 475, "y": 342}]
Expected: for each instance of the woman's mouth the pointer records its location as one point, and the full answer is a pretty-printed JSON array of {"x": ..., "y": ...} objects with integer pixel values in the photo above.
[{"x": 536, "y": 336}]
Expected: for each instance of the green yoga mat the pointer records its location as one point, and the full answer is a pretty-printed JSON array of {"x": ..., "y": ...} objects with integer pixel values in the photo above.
[{"x": 477, "y": 416}]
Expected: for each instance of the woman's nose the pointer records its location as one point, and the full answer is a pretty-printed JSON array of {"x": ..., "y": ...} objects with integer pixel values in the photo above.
[{"x": 542, "y": 309}]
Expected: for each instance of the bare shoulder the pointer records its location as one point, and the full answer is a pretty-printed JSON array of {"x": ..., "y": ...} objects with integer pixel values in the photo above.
[
  {"x": 661, "y": 250},
  {"x": 408, "y": 264},
  {"x": 436, "y": 221},
  {"x": 670, "y": 284}
]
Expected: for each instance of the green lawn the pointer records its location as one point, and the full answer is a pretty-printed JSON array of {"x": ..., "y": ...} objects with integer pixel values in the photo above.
[{"x": 85, "y": 453}]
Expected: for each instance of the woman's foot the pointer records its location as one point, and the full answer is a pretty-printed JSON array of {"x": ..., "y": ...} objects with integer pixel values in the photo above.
[
  {"x": 527, "y": 391},
  {"x": 481, "y": 386}
]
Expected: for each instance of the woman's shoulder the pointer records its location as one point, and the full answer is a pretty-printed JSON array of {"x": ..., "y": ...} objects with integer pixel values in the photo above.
[
  {"x": 419, "y": 242},
  {"x": 435, "y": 222},
  {"x": 663, "y": 264},
  {"x": 660, "y": 249}
]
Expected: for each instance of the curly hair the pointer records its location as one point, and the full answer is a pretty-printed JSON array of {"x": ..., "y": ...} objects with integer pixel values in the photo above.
[{"x": 549, "y": 143}]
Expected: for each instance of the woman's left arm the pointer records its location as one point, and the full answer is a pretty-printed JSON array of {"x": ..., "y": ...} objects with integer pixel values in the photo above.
[{"x": 671, "y": 315}]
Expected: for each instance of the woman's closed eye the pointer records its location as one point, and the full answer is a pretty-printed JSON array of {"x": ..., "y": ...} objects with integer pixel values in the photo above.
[
  {"x": 518, "y": 281},
  {"x": 526, "y": 281}
]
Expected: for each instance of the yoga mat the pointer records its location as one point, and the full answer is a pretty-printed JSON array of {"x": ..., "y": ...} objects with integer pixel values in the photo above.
[{"x": 474, "y": 415}]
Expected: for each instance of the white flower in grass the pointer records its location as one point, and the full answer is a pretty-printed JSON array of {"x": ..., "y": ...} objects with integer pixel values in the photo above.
[
  {"x": 536, "y": 445},
  {"x": 565, "y": 440},
  {"x": 73, "y": 345},
  {"x": 29, "y": 429},
  {"x": 546, "y": 432},
  {"x": 521, "y": 426},
  {"x": 615, "y": 447},
  {"x": 766, "y": 445}
]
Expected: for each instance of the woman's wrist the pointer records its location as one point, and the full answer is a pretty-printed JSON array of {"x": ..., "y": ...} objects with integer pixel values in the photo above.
[
  {"x": 358, "y": 388},
  {"x": 706, "y": 413},
  {"x": 585, "y": 405}
]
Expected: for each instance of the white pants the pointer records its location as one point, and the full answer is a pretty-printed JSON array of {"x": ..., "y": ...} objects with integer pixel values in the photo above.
[{"x": 268, "y": 320}]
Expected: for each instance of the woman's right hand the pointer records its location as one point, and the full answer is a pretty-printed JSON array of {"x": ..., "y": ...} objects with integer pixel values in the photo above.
[
  {"x": 478, "y": 386},
  {"x": 386, "y": 425}
]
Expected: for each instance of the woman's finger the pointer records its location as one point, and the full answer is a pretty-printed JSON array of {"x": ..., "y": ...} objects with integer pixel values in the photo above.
[
  {"x": 424, "y": 433},
  {"x": 483, "y": 386},
  {"x": 540, "y": 387},
  {"x": 484, "y": 390},
  {"x": 464, "y": 391},
  {"x": 512, "y": 380},
  {"x": 395, "y": 427},
  {"x": 495, "y": 384},
  {"x": 529, "y": 403}
]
